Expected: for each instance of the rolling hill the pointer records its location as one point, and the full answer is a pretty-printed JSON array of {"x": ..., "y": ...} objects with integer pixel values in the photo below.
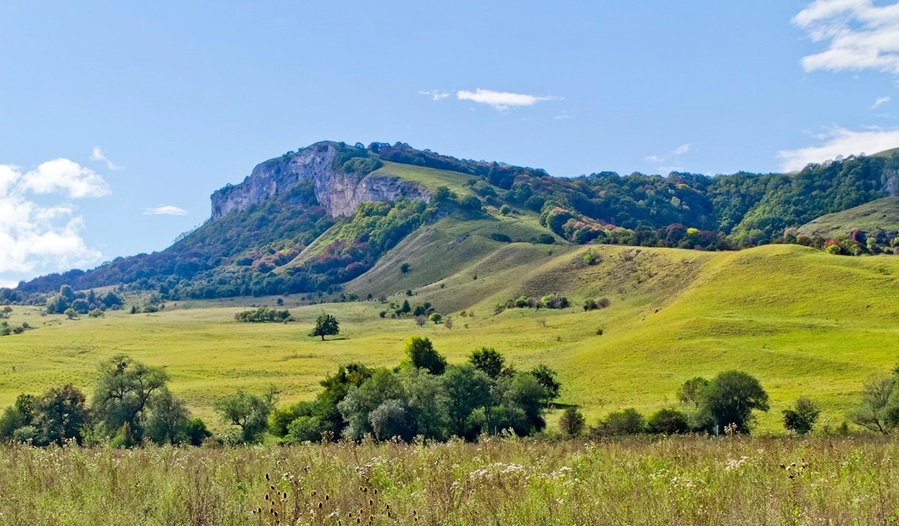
[
  {"x": 878, "y": 215},
  {"x": 804, "y": 322}
]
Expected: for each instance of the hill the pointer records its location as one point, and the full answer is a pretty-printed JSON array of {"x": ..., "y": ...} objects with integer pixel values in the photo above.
[
  {"x": 313, "y": 221},
  {"x": 802, "y": 321},
  {"x": 878, "y": 215}
]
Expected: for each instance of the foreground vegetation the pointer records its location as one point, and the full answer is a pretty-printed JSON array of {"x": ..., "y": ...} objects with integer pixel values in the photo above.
[{"x": 688, "y": 480}]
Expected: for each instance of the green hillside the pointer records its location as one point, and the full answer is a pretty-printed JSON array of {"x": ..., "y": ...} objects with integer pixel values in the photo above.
[
  {"x": 803, "y": 322},
  {"x": 280, "y": 232},
  {"x": 882, "y": 214}
]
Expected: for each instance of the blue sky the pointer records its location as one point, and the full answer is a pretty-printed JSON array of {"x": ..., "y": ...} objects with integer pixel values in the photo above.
[{"x": 119, "y": 119}]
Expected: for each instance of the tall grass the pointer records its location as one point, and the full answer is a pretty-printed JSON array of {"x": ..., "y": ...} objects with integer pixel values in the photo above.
[{"x": 497, "y": 481}]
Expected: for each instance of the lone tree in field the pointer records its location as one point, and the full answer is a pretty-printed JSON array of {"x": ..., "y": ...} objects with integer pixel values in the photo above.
[
  {"x": 730, "y": 399},
  {"x": 326, "y": 325}
]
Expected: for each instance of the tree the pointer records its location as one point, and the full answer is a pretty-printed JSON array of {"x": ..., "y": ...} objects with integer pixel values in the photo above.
[
  {"x": 467, "y": 389},
  {"x": 125, "y": 388},
  {"x": 362, "y": 400},
  {"x": 879, "y": 407},
  {"x": 168, "y": 420},
  {"x": 488, "y": 360},
  {"x": 422, "y": 355},
  {"x": 436, "y": 317},
  {"x": 547, "y": 378},
  {"x": 247, "y": 411},
  {"x": 572, "y": 422},
  {"x": 326, "y": 325},
  {"x": 691, "y": 392},
  {"x": 730, "y": 399},
  {"x": 801, "y": 418},
  {"x": 19, "y": 415},
  {"x": 61, "y": 415}
]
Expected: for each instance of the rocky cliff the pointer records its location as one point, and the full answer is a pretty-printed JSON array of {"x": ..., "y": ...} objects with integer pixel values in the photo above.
[{"x": 339, "y": 192}]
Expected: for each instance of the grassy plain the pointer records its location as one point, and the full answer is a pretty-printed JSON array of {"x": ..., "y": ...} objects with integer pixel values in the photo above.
[
  {"x": 805, "y": 323},
  {"x": 679, "y": 481}
]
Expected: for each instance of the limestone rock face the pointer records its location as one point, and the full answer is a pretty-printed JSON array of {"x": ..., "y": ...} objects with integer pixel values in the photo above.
[{"x": 340, "y": 193}]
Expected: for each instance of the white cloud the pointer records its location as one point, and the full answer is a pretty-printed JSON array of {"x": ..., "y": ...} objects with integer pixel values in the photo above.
[
  {"x": 501, "y": 100},
  {"x": 838, "y": 142},
  {"x": 436, "y": 95},
  {"x": 165, "y": 210},
  {"x": 65, "y": 175},
  {"x": 858, "y": 35},
  {"x": 682, "y": 149},
  {"x": 98, "y": 155},
  {"x": 880, "y": 102},
  {"x": 44, "y": 237}
]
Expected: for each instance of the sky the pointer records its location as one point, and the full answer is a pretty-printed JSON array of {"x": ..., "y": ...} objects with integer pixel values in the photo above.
[{"x": 119, "y": 119}]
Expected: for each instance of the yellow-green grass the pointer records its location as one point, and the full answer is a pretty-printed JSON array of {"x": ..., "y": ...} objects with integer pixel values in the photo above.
[
  {"x": 804, "y": 322},
  {"x": 882, "y": 214},
  {"x": 429, "y": 177}
]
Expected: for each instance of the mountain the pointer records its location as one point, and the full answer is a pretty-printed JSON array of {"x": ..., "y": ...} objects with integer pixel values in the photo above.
[{"x": 332, "y": 217}]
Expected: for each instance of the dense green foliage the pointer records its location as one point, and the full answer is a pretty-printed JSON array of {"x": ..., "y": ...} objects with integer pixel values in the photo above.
[{"x": 264, "y": 314}]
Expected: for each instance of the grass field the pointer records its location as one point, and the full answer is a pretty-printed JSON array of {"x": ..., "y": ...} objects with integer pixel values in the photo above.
[
  {"x": 803, "y": 322},
  {"x": 681, "y": 481}
]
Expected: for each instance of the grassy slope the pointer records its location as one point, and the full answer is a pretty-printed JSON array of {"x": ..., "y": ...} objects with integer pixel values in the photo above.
[
  {"x": 804, "y": 322},
  {"x": 880, "y": 214}
]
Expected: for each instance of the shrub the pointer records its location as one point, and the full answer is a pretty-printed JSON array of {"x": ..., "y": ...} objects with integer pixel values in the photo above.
[
  {"x": 572, "y": 422},
  {"x": 801, "y": 418},
  {"x": 621, "y": 423},
  {"x": 668, "y": 422},
  {"x": 264, "y": 315},
  {"x": 502, "y": 238}
]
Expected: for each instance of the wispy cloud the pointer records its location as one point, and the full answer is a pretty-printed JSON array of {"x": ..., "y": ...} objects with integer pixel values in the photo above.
[
  {"x": 98, "y": 155},
  {"x": 45, "y": 236},
  {"x": 676, "y": 152},
  {"x": 836, "y": 142},
  {"x": 435, "y": 94},
  {"x": 858, "y": 35},
  {"x": 165, "y": 210},
  {"x": 682, "y": 149},
  {"x": 880, "y": 102},
  {"x": 502, "y": 100}
]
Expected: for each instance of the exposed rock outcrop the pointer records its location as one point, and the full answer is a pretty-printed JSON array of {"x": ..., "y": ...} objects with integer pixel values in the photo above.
[{"x": 340, "y": 193}]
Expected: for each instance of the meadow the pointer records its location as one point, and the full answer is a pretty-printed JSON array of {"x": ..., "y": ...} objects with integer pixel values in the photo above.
[
  {"x": 497, "y": 481},
  {"x": 803, "y": 322}
]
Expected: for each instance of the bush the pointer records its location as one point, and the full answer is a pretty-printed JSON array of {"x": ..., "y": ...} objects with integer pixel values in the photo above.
[
  {"x": 801, "y": 418},
  {"x": 668, "y": 422},
  {"x": 502, "y": 238},
  {"x": 264, "y": 315},
  {"x": 621, "y": 423},
  {"x": 572, "y": 422}
]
